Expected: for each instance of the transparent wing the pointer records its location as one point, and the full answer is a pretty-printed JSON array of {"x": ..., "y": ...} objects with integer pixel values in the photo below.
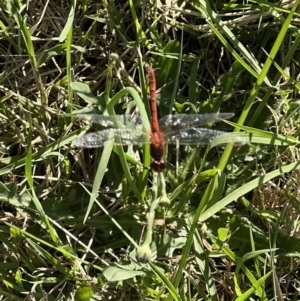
[
  {"x": 172, "y": 123},
  {"x": 202, "y": 136},
  {"x": 121, "y": 137},
  {"x": 116, "y": 121}
]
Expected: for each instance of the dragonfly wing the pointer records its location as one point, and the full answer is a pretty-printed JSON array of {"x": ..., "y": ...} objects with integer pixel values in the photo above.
[
  {"x": 121, "y": 137},
  {"x": 115, "y": 121},
  {"x": 185, "y": 121},
  {"x": 199, "y": 136}
]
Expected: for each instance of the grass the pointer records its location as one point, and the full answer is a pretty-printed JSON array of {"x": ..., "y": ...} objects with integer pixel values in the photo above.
[{"x": 76, "y": 223}]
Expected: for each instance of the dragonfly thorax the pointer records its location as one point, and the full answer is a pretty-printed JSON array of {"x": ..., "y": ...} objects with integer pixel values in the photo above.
[{"x": 157, "y": 146}]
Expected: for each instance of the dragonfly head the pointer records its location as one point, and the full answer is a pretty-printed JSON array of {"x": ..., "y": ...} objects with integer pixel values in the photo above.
[{"x": 158, "y": 166}]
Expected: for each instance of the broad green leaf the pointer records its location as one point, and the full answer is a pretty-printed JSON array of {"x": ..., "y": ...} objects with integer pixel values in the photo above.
[
  {"x": 115, "y": 274},
  {"x": 83, "y": 90}
]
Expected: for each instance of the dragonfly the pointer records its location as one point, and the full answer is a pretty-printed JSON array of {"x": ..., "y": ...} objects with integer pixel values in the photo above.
[{"x": 180, "y": 129}]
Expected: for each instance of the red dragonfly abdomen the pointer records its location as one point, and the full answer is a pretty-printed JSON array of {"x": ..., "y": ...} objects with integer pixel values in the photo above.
[
  {"x": 153, "y": 106},
  {"x": 157, "y": 142}
]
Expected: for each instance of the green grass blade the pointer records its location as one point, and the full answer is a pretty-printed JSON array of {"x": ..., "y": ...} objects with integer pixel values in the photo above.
[
  {"x": 246, "y": 188},
  {"x": 100, "y": 174},
  {"x": 67, "y": 30},
  {"x": 139, "y": 29},
  {"x": 28, "y": 159},
  {"x": 249, "y": 63},
  {"x": 259, "y": 81},
  {"x": 172, "y": 291}
]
